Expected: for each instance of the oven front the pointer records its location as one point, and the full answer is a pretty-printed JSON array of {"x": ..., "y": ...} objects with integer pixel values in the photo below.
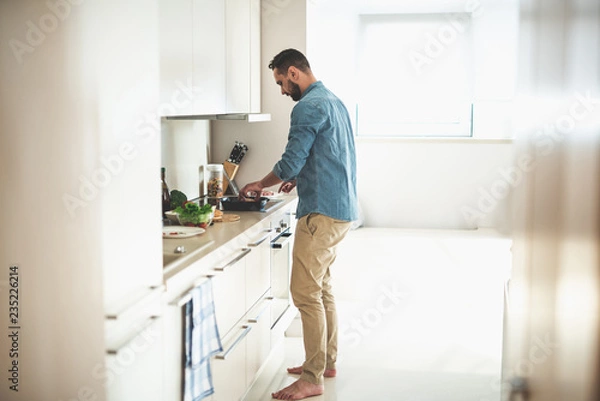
[{"x": 281, "y": 263}]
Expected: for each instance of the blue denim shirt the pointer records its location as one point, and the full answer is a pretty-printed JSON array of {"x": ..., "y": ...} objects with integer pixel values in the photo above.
[{"x": 320, "y": 156}]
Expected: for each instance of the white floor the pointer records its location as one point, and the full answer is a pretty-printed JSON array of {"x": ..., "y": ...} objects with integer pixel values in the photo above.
[{"x": 420, "y": 318}]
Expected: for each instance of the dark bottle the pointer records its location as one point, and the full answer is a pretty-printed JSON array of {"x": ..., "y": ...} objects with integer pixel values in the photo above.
[{"x": 166, "y": 196}]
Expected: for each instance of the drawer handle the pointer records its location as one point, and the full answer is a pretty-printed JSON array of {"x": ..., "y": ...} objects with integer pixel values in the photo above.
[
  {"x": 245, "y": 251},
  {"x": 262, "y": 311},
  {"x": 262, "y": 239},
  {"x": 187, "y": 297},
  {"x": 279, "y": 245},
  {"x": 152, "y": 293},
  {"x": 122, "y": 345},
  {"x": 237, "y": 341}
]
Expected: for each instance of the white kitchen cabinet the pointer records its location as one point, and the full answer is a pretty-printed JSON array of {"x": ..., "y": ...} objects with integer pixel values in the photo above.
[
  {"x": 86, "y": 95},
  {"x": 243, "y": 56},
  {"x": 241, "y": 280},
  {"x": 258, "y": 301},
  {"x": 176, "y": 57},
  {"x": 258, "y": 273},
  {"x": 226, "y": 267},
  {"x": 210, "y": 57},
  {"x": 126, "y": 98},
  {"x": 125, "y": 87},
  {"x": 240, "y": 270},
  {"x": 173, "y": 351},
  {"x": 176, "y": 297},
  {"x": 258, "y": 344},
  {"x": 229, "y": 289},
  {"x": 192, "y": 57},
  {"x": 229, "y": 367},
  {"x": 134, "y": 347},
  {"x": 133, "y": 369},
  {"x": 245, "y": 349},
  {"x": 209, "y": 61}
]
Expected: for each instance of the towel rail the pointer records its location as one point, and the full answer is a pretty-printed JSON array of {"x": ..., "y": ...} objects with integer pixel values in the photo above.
[
  {"x": 184, "y": 299},
  {"x": 187, "y": 295}
]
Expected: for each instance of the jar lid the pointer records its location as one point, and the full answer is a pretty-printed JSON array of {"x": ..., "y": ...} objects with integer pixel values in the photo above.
[{"x": 214, "y": 167}]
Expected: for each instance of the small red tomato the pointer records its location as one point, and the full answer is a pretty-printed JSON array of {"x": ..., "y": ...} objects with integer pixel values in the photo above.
[{"x": 203, "y": 225}]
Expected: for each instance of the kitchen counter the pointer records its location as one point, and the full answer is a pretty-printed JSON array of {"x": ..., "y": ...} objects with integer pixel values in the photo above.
[{"x": 216, "y": 235}]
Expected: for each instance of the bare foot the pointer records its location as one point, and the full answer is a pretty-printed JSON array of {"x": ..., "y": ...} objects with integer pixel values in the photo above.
[
  {"x": 298, "y": 370},
  {"x": 299, "y": 390}
]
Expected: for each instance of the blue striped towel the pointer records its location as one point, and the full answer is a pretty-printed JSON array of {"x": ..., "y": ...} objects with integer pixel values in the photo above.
[{"x": 201, "y": 342}]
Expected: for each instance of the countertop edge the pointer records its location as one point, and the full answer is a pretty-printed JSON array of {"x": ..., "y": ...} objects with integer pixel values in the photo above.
[{"x": 228, "y": 232}]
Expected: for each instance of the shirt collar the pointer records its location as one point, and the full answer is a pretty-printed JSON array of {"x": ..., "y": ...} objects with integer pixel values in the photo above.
[{"x": 311, "y": 87}]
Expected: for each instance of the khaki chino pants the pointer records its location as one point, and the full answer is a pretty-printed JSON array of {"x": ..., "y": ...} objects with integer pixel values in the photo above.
[{"x": 315, "y": 242}]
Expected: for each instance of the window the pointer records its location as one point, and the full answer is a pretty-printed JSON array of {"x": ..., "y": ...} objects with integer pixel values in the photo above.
[{"x": 415, "y": 74}]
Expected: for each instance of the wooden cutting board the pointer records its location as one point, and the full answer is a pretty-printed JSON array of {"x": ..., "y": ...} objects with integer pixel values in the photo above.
[{"x": 227, "y": 218}]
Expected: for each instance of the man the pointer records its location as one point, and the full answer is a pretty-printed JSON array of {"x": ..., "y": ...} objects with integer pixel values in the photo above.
[{"x": 320, "y": 161}]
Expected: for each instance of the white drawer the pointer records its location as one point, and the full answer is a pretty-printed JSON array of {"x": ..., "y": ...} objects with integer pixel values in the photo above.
[
  {"x": 229, "y": 367},
  {"x": 258, "y": 343},
  {"x": 229, "y": 290},
  {"x": 258, "y": 269}
]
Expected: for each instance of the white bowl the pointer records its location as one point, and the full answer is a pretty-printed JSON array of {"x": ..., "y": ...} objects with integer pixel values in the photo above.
[{"x": 172, "y": 216}]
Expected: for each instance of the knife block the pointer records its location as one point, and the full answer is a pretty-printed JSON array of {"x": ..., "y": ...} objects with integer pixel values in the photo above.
[{"x": 230, "y": 170}]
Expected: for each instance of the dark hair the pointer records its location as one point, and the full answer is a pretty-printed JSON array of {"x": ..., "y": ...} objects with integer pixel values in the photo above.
[{"x": 287, "y": 58}]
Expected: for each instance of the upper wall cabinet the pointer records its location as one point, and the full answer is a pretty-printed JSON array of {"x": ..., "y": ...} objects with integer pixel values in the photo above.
[
  {"x": 192, "y": 57},
  {"x": 209, "y": 49},
  {"x": 243, "y": 56},
  {"x": 210, "y": 57}
]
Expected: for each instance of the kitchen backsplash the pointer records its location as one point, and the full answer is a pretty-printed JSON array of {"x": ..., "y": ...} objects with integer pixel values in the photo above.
[{"x": 184, "y": 149}]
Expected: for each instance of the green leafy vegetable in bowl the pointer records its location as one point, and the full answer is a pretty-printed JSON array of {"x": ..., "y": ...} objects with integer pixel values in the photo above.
[{"x": 190, "y": 214}]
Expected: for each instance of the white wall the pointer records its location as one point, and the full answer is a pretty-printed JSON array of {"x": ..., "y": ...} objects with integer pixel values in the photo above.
[
  {"x": 434, "y": 184},
  {"x": 402, "y": 183}
]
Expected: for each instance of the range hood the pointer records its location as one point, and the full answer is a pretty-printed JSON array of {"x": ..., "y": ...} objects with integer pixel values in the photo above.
[{"x": 249, "y": 117}]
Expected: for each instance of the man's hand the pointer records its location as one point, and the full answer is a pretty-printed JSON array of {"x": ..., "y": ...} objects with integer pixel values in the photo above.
[
  {"x": 287, "y": 186},
  {"x": 254, "y": 189},
  {"x": 251, "y": 190}
]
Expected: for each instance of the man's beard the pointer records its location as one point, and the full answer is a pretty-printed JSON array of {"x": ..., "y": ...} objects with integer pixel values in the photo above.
[{"x": 295, "y": 93}]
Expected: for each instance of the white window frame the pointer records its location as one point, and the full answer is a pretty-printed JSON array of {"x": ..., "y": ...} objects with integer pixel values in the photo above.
[{"x": 408, "y": 116}]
